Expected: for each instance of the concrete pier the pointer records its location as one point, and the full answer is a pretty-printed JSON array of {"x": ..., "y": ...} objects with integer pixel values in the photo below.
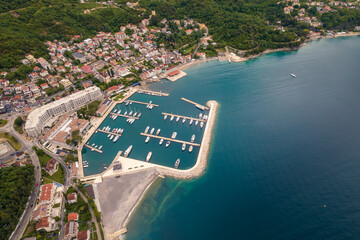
[
  {"x": 117, "y": 134},
  {"x": 132, "y": 101},
  {"x": 92, "y": 148},
  {"x": 153, "y": 92},
  {"x": 192, "y": 102},
  {"x": 175, "y": 115},
  {"x": 122, "y": 115},
  {"x": 170, "y": 139}
]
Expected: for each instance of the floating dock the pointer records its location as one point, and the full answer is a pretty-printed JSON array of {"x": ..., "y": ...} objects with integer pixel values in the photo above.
[
  {"x": 192, "y": 102},
  {"x": 153, "y": 92},
  {"x": 195, "y": 119},
  {"x": 122, "y": 115},
  {"x": 92, "y": 148},
  {"x": 155, "y": 105},
  {"x": 117, "y": 134},
  {"x": 170, "y": 139}
]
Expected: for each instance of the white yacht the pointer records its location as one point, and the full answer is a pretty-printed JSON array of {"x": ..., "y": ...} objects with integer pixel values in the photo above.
[
  {"x": 177, "y": 119},
  {"x": 191, "y": 121},
  {"x": 167, "y": 143},
  {"x": 201, "y": 124},
  {"x": 152, "y": 130},
  {"x": 139, "y": 115},
  {"x": 147, "y": 139},
  {"x": 92, "y": 144},
  {"x": 191, "y": 148},
  {"x": 196, "y": 122},
  {"x": 161, "y": 141},
  {"x": 100, "y": 147},
  {"x": 165, "y": 116},
  {"x": 177, "y": 163},
  {"x": 158, "y": 131},
  {"x": 184, "y": 119},
  {"x": 111, "y": 137},
  {"x": 174, "y": 134},
  {"x": 172, "y": 118},
  {"x": 128, "y": 150},
  {"x": 183, "y": 146},
  {"x": 147, "y": 129},
  {"x": 116, "y": 138},
  {"x": 148, "y": 156},
  {"x": 193, "y": 138}
]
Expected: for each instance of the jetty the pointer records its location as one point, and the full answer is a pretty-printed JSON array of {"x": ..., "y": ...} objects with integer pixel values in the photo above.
[
  {"x": 117, "y": 134},
  {"x": 92, "y": 148},
  {"x": 122, "y": 115},
  {"x": 145, "y": 103},
  {"x": 175, "y": 115},
  {"x": 192, "y": 102},
  {"x": 152, "y": 92},
  {"x": 170, "y": 139}
]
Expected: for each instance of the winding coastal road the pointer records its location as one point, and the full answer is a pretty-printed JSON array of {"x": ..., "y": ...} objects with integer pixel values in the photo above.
[{"x": 26, "y": 147}]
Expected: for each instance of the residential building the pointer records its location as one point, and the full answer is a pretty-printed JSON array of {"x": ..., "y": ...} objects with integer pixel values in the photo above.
[{"x": 45, "y": 115}]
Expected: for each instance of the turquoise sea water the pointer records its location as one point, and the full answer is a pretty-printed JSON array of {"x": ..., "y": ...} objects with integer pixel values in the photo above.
[{"x": 285, "y": 157}]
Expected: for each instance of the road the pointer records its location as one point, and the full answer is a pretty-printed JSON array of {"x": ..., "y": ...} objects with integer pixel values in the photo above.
[
  {"x": 93, "y": 218},
  {"x": 67, "y": 183},
  {"x": 27, "y": 147}
]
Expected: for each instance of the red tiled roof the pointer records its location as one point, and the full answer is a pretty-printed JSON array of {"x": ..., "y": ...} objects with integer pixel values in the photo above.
[
  {"x": 82, "y": 235},
  {"x": 72, "y": 217},
  {"x": 44, "y": 222},
  {"x": 45, "y": 193}
]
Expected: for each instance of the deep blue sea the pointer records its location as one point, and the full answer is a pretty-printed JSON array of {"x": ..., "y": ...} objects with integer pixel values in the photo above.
[{"x": 285, "y": 156}]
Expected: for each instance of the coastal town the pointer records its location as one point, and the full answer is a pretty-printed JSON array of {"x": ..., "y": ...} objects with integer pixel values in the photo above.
[{"x": 60, "y": 101}]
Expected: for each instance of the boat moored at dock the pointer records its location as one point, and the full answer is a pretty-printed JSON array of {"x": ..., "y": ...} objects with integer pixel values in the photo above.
[
  {"x": 183, "y": 146},
  {"x": 161, "y": 141},
  {"x": 147, "y": 139},
  {"x": 147, "y": 129},
  {"x": 167, "y": 143},
  {"x": 158, "y": 131},
  {"x": 174, "y": 134},
  {"x": 193, "y": 138},
  {"x": 191, "y": 148}
]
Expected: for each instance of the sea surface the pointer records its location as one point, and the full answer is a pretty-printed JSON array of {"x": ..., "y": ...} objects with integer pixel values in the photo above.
[{"x": 285, "y": 156}]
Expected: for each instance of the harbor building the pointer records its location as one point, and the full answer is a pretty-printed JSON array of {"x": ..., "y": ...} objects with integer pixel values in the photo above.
[{"x": 44, "y": 116}]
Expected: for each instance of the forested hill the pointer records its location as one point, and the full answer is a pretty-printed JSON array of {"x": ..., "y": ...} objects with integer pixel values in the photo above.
[{"x": 243, "y": 24}]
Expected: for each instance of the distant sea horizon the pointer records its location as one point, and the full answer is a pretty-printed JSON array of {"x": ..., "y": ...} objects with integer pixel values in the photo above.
[{"x": 284, "y": 159}]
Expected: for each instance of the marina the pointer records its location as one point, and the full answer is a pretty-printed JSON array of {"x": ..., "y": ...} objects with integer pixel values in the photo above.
[
  {"x": 152, "y": 123},
  {"x": 170, "y": 139}
]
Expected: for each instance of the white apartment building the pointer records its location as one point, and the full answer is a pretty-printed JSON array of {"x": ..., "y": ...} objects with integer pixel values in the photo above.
[{"x": 45, "y": 115}]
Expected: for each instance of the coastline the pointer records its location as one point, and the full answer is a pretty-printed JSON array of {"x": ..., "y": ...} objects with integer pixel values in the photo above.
[{"x": 204, "y": 154}]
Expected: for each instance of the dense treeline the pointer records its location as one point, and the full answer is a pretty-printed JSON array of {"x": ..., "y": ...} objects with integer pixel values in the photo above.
[
  {"x": 27, "y": 30},
  {"x": 240, "y": 24},
  {"x": 343, "y": 19},
  {"x": 15, "y": 187}
]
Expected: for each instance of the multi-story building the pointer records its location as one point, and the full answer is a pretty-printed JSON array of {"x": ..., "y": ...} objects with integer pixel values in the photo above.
[{"x": 45, "y": 115}]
